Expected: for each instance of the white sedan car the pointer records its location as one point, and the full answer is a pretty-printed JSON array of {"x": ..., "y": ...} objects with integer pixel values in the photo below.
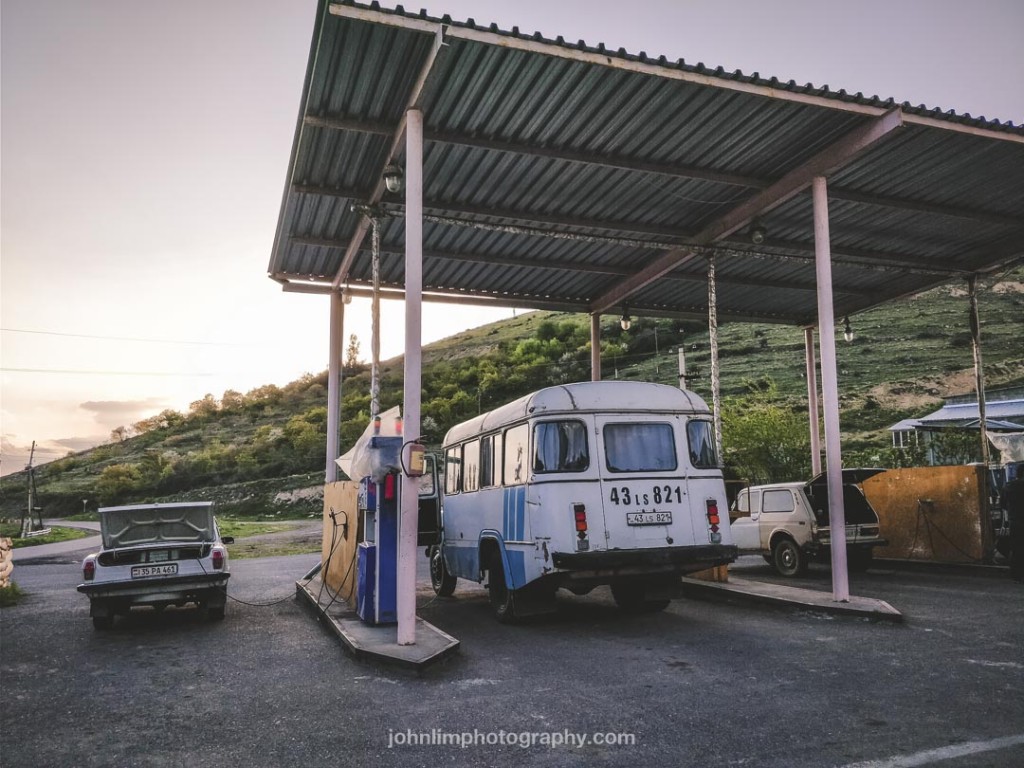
[{"x": 156, "y": 555}]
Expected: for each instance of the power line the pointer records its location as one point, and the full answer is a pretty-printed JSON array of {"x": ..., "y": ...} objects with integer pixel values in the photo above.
[
  {"x": 124, "y": 338},
  {"x": 164, "y": 374}
]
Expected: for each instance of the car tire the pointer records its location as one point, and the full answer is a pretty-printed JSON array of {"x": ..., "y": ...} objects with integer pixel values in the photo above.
[
  {"x": 440, "y": 579},
  {"x": 631, "y": 598},
  {"x": 503, "y": 601},
  {"x": 787, "y": 558},
  {"x": 103, "y": 623}
]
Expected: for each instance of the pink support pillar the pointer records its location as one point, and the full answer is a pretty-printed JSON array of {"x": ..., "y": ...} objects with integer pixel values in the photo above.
[
  {"x": 830, "y": 391},
  {"x": 407, "y": 528},
  {"x": 337, "y": 334}
]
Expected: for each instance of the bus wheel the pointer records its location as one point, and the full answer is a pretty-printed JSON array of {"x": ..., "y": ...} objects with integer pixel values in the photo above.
[
  {"x": 442, "y": 581},
  {"x": 502, "y": 598},
  {"x": 631, "y": 598}
]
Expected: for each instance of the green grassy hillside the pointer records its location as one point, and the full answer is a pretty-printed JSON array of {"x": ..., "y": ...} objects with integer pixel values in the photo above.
[{"x": 247, "y": 448}]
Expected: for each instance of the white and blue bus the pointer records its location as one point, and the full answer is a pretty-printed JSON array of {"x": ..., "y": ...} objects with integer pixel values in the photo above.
[{"x": 580, "y": 485}]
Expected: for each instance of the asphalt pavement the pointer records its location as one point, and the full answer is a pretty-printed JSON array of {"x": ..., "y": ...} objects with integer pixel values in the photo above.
[{"x": 701, "y": 684}]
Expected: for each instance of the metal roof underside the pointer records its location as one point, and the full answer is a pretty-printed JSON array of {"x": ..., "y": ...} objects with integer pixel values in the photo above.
[{"x": 568, "y": 177}]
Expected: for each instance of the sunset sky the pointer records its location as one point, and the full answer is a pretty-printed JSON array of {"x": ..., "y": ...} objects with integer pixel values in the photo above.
[{"x": 145, "y": 145}]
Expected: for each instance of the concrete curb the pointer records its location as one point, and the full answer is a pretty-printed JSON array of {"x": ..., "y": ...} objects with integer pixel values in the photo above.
[
  {"x": 928, "y": 566},
  {"x": 744, "y": 590},
  {"x": 376, "y": 643}
]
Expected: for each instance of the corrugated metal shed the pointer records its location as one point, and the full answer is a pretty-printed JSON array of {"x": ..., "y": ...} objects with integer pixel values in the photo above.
[{"x": 566, "y": 176}]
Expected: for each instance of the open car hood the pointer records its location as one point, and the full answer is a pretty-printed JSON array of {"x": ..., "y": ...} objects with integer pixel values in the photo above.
[{"x": 142, "y": 524}]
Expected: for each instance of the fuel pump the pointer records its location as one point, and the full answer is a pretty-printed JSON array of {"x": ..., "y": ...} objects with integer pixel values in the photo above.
[{"x": 377, "y": 556}]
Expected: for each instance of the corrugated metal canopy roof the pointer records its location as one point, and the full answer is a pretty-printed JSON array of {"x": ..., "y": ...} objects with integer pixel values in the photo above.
[{"x": 569, "y": 177}]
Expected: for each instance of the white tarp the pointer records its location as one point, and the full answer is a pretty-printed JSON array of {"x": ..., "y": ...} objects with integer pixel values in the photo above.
[
  {"x": 1009, "y": 444},
  {"x": 356, "y": 463}
]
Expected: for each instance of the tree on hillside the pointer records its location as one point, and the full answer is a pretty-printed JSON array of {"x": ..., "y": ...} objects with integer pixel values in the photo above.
[
  {"x": 352, "y": 362},
  {"x": 166, "y": 418},
  {"x": 763, "y": 440},
  {"x": 232, "y": 400},
  {"x": 203, "y": 408}
]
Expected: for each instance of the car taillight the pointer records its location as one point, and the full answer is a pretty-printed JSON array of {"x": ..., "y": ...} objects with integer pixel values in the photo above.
[
  {"x": 580, "y": 513},
  {"x": 218, "y": 559},
  {"x": 89, "y": 570},
  {"x": 713, "y": 520}
]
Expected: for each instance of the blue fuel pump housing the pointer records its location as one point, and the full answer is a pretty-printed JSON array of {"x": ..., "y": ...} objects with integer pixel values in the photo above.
[{"x": 377, "y": 557}]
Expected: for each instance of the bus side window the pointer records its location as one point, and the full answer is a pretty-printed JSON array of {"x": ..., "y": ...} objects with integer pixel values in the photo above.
[
  {"x": 490, "y": 461},
  {"x": 560, "y": 446},
  {"x": 487, "y": 461},
  {"x": 471, "y": 466},
  {"x": 453, "y": 470},
  {"x": 516, "y": 453}
]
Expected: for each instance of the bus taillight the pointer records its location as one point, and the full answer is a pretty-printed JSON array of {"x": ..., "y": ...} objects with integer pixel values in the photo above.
[
  {"x": 580, "y": 512},
  {"x": 713, "y": 520}
]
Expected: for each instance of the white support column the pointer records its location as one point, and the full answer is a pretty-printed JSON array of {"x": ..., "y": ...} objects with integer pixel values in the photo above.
[
  {"x": 337, "y": 335},
  {"x": 595, "y": 347},
  {"x": 830, "y": 391},
  {"x": 716, "y": 388},
  {"x": 406, "y": 577},
  {"x": 813, "y": 411}
]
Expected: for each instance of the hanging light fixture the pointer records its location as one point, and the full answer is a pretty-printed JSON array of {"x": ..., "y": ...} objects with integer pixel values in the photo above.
[
  {"x": 625, "y": 322},
  {"x": 757, "y": 232},
  {"x": 393, "y": 178},
  {"x": 847, "y": 330}
]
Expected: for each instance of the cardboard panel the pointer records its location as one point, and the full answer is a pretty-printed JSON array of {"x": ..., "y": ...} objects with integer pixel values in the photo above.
[{"x": 341, "y": 535}]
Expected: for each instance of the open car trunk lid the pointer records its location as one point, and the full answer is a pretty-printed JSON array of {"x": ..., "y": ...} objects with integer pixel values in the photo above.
[
  {"x": 857, "y": 510},
  {"x": 143, "y": 524}
]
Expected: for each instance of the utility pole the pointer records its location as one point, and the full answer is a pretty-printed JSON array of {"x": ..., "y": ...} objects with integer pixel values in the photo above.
[
  {"x": 27, "y": 523},
  {"x": 657, "y": 354}
]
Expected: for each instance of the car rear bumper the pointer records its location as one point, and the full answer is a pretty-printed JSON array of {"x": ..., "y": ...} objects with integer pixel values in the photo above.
[
  {"x": 156, "y": 589},
  {"x": 850, "y": 544}
]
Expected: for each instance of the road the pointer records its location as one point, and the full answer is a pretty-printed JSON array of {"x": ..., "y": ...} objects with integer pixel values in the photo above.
[{"x": 702, "y": 684}]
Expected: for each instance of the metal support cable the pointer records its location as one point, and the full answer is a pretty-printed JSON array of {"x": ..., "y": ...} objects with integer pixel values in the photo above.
[
  {"x": 375, "y": 323},
  {"x": 979, "y": 369},
  {"x": 716, "y": 394}
]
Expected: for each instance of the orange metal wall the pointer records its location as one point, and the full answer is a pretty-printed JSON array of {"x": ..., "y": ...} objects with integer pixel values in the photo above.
[{"x": 931, "y": 513}]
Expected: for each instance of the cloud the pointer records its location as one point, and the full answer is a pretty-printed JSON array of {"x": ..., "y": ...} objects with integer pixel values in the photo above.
[
  {"x": 77, "y": 444},
  {"x": 111, "y": 414},
  {"x": 14, "y": 454},
  {"x": 107, "y": 407}
]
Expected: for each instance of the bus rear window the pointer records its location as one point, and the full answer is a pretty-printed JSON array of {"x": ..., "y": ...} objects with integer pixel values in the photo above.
[
  {"x": 701, "y": 437},
  {"x": 640, "y": 447}
]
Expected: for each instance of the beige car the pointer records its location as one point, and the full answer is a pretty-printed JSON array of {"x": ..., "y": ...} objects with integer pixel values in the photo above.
[{"x": 788, "y": 523}]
